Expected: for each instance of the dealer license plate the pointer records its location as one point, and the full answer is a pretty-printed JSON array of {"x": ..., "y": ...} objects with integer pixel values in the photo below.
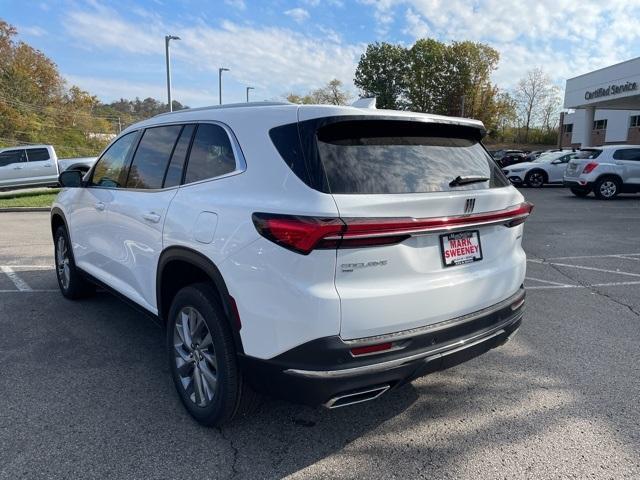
[{"x": 460, "y": 248}]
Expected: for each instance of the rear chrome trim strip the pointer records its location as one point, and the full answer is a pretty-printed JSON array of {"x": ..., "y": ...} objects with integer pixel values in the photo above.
[
  {"x": 388, "y": 365},
  {"x": 516, "y": 301}
]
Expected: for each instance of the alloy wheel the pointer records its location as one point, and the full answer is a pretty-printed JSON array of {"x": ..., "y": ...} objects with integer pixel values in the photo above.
[
  {"x": 195, "y": 356},
  {"x": 608, "y": 188},
  {"x": 536, "y": 180},
  {"x": 62, "y": 262}
]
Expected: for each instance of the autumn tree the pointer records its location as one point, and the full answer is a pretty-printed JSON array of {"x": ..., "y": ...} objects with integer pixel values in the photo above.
[
  {"x": 332, "y": 94},
  {"x": 537, "y": 100}
]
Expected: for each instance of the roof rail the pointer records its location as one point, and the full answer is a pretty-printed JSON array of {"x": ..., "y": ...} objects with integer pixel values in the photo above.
[{"x": 222, "y": 107}]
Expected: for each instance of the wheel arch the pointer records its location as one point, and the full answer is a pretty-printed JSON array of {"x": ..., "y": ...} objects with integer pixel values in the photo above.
[
  {"x": 181, "y": 266},
  {"x": 57, "y": 220},
  {"x": 616, "y": 176}
]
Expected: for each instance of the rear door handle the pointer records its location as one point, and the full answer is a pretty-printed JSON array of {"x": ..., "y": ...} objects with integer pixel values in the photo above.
[
  {"x": 47, "y": 164},
  {"x": 18, "y": 168},
  {"x": 99, "y": 206},
  {"x": 152, "y": 217},
  {"x": 619, "y": 163}
]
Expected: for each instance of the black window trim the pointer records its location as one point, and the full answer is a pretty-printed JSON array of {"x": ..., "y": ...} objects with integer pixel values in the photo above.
[{"x": 241, "y": 164}]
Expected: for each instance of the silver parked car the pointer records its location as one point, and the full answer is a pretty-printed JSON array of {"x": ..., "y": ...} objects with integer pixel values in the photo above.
[{"x": 606, "y": 171}]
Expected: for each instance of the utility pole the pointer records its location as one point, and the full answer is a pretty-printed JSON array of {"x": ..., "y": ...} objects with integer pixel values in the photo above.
[
  {"x": 249, "y": 88},
  {"x": 167, "y": 39},
  {"x": 220, "y": 70}
]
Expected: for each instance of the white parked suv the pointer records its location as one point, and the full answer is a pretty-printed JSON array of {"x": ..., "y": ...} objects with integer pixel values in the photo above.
[
  {"x": 323, "y": 254},
  {"x": 605, "y": 171},
  {"x": 547, "y": 168}
]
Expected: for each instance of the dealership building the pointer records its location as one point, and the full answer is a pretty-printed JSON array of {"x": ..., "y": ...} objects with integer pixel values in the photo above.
[{"x": 605, "y": 107}]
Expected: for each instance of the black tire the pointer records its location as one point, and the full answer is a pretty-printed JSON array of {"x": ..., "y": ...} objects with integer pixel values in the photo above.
[
  {"x": 232, "y": 396},
  {"x": 607, "y": 188},
  {"x": 535, "y": 178},
  {"x": 73, "y": 285},
  {"x": 580, "y": 192}
]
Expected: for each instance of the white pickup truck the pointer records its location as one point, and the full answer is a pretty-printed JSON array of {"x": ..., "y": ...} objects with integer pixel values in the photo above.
[{"x": 36, "y": 165}]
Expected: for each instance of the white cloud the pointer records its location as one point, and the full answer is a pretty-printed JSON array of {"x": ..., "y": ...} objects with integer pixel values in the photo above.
[
  {"x": 564, "y": 37},
  {"x": 297, "y": 14},
  {"x": 275, "y": 60},
  {"x": 239, "y": 4},
  {"x": 33, "y": 31}
]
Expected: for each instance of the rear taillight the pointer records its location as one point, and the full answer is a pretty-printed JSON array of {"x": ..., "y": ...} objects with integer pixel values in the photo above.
[
  {"x": 297, "y": 233},
  {"x": 304, "y": 234},
  {"x": 589, "y": 167}
]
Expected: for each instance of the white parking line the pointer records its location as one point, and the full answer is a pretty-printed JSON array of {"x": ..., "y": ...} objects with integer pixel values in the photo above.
[
  {"x": 558, "y": 284},
  {"x": 28, "y": 291},
  {"x": 610, "y": 284},
  {"x": 20, "y": 284},
  {"x": 583, "y": 267},
  {"x": 620, "y": 255}
]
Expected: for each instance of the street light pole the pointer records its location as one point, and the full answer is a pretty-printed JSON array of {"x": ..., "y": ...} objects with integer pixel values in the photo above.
[
  {"x": 167, "y": 39},
  {"x": 220, "y": 70},
  {"x": 249, "y": 88}
]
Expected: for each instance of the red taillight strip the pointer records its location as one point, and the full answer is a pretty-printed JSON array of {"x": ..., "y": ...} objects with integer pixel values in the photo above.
[
  {"x": 303, "y": 234},
  {"x": 377, "y": 227}
]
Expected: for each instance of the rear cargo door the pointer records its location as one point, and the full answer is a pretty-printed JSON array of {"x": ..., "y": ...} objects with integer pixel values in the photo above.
[{"x": 438, "y": 188}]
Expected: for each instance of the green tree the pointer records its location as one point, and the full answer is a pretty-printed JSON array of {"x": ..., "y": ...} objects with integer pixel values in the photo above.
[
  {"x": 427, "y": 71},
  {"x": 382, "y": 72}
]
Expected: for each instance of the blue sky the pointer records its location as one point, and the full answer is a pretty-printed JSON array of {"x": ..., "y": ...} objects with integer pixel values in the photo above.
[{"x": 116, "y": 49}]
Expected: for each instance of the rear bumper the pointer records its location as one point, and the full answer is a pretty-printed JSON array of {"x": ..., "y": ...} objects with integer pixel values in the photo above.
[
  {"x": 318, "y": 371},
  {"x": 577, "y": 184}
]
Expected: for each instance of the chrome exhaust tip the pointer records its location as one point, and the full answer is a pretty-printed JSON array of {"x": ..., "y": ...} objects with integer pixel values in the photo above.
[{"x": 358, "y": 396}]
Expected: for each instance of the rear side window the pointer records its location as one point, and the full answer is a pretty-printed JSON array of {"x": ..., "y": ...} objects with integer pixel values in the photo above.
[
  {"x": 110, "y": 168},
  {"x": 211, "y": 154},
  {"x": 152, "y": 157},
  {"x": 388, "y": 157},
  {"x": 37, "y": 154},
  {"x": 12, "y": 156},
  {"x": 627, "y": 154}
]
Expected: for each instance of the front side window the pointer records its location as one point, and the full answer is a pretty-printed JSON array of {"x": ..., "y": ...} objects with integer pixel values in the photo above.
[
  {"x": 37, "y": 154},
  {"x": 152, "y": 157},
  {"x": 110, "y": 168},
  {"x": 627, "y": 154},
  {"x": 211, "y": 154},
  {"x": 12, "y": 156}
]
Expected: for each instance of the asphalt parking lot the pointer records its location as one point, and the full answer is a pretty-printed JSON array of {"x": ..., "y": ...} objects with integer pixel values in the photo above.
[{"x": 86, "y": 392}]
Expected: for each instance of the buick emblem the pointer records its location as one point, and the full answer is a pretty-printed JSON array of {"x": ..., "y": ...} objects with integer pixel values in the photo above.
[{"x": 469, "y": 205}]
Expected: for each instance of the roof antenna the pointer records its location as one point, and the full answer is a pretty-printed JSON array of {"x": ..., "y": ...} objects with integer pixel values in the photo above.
[{"x": 365, "y": 102}]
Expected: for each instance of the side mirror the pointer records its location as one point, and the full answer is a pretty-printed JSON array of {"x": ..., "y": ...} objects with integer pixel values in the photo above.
[{"x": 71, "y": 179}]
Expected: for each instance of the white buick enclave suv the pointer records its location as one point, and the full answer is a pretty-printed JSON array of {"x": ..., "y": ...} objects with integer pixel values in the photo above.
[{"x": 322, "y": 254}]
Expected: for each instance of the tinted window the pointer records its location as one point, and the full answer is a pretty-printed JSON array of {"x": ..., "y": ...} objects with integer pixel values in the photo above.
[
  {"x": 174, "y": 172},
  {"x": 374, "y": 156},
  {"x": 211, "y": 154},
  {"x": 37, "y": 154},
  {"x": 627, "y": 154},
  {"x": 152, "y": 157},
  {"x": 12, "y": 156},
  {"x": 110, "y": 167}
]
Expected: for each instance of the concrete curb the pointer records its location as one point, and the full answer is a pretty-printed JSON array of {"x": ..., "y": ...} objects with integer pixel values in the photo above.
[{"x": 24, "y": 209}]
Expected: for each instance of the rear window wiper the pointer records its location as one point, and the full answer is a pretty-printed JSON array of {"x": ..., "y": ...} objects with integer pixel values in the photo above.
[{"x": 459, "y": 180}]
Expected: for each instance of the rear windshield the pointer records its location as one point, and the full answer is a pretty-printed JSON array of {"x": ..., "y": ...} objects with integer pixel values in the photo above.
[
  {"x": 367, "y": 156},
  {"x": 588, "y": 154}
]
